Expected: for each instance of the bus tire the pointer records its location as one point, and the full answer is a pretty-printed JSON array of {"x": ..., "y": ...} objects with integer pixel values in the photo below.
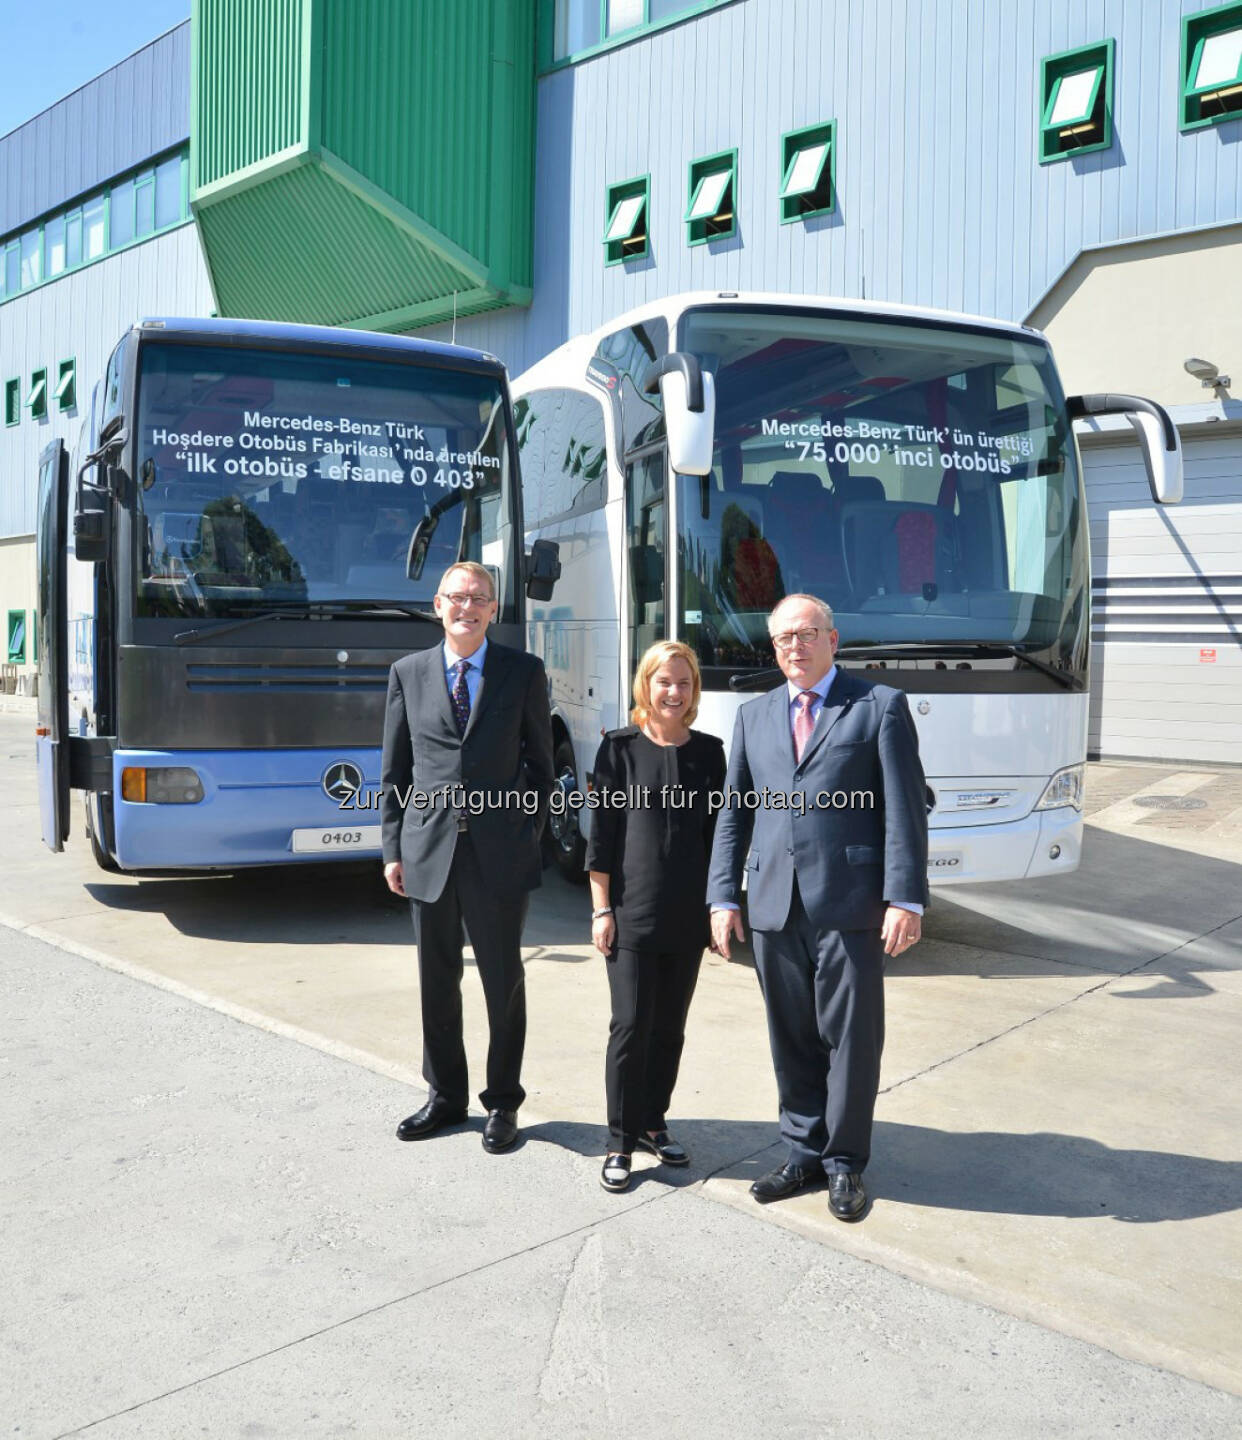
[
  {"x": 99, "y": 845},
  {"x": 564, "y": 835}
]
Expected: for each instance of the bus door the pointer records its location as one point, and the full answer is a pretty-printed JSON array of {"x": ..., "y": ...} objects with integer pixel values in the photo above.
[{"x": 52, "y": 728}]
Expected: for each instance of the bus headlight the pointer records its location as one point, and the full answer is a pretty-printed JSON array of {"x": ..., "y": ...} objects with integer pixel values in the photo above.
[
  {"x": 1065, "y": 788},
  {"x": 171, "y": 785}
]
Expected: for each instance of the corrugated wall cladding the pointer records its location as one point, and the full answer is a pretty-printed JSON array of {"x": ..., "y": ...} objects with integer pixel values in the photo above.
[
  {"x": 248, "y": 101},
  {"x": 280, "y": 269},
  {"x": 81, "y": 317},
  {"x": 942, "y": 200},
  {"x": 114, "y": 123},
  {"x": 406, "y": 88}
]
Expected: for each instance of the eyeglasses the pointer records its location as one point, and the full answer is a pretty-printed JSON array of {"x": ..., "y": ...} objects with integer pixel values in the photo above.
[
  {"x": 787, "y": 639},
  {"x": 461, "y": 599}
]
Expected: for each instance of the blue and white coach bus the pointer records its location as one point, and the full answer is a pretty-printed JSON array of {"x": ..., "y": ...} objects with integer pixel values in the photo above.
[
  {"x": 703, "y": 456},
  {"x": 250, "y": 533}
]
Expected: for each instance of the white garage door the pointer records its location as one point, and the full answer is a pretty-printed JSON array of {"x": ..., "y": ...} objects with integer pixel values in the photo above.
[{"x": 1166, "y": 624}]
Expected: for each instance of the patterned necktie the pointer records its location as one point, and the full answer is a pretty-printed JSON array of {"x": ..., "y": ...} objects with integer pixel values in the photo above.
[
  {"x": 460, "y": 696},
  {"x": 803, "y": 724}
]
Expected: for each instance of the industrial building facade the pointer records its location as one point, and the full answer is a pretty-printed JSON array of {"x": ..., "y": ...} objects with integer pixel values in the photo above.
[{"x": 512, "y": 172}]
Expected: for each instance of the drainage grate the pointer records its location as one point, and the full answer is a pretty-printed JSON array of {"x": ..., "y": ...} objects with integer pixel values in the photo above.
[{"x": 1170, "y": 802}]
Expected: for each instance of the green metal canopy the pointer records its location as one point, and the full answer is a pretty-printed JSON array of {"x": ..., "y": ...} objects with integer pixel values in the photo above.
[{"x": 364, "y": 162}]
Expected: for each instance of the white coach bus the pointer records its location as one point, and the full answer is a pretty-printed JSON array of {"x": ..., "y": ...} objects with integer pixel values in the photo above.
[{"x": 704, "y": 455}]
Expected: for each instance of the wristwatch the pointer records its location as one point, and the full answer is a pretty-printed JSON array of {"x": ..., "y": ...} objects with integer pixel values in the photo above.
[{"x": 603, "y": 910}]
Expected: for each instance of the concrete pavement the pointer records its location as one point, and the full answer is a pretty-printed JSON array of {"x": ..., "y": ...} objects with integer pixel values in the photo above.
[
  {"x": 1058, "y": 1129},
  {"x": 209, "y": 1230}
]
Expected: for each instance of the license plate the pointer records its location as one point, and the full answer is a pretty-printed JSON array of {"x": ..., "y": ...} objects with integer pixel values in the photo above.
[
  {"x": 948, "y": 862},
  {"x": 337, "y": 841}
]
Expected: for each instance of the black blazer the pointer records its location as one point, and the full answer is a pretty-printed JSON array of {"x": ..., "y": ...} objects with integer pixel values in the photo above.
[
  {"x": 656, "y": 854},
  {"x": 501, "y": 767}
]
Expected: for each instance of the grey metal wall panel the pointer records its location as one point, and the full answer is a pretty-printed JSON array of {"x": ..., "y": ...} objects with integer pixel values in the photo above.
[
  {"x": 81, "y": 316},
  {"x": 112, "y": 124},
  {"x": 942, "y": 200},
  {"x": 1178, "y": 697}
]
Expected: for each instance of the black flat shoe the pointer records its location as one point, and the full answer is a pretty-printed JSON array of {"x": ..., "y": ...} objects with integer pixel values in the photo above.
[
  {"x": 500, "y": 1131},
  {"x": 847, "y": 1198},
  {"x": 662, "y": 1145},
  {"x": 435, "y": 1115},
  {"x": 781, "y": 1184},
  {"x": 615, "y": 1175}
]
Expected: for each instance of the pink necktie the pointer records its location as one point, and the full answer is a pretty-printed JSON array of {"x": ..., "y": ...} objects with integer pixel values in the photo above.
[{"x": 803, "y": 724}]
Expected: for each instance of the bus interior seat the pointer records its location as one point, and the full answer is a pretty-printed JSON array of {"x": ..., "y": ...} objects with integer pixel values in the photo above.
[
  {"x": 802, "y": 526},
  {"x": 898, "y": 548}
]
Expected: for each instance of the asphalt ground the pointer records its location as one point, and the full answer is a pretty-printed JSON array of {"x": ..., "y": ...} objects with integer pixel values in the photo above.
[{"x": 1057, "y": 1134}]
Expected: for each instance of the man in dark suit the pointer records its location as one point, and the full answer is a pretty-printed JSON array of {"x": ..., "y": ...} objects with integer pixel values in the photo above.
[
  {"x": 467, "y": 772},
  {"x": 836, "y": 879}
]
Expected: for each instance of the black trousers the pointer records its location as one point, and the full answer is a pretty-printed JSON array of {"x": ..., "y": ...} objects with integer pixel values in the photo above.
[
  {"x": 824, "y": 996},
  {"x": 495, "y": 929},
  {"x": 651, "y": 994}
]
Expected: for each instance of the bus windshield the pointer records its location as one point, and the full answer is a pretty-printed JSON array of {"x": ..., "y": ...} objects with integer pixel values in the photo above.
[
  {"x": 922, "y": 479},
  {"x": 275, "y": 479}
]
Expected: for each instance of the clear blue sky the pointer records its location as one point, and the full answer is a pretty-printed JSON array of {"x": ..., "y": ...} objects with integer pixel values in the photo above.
[{"x": 53, "y": 46}]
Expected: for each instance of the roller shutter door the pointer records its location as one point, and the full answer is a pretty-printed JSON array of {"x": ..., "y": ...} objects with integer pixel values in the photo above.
[{"x": 1166, "y": 622}]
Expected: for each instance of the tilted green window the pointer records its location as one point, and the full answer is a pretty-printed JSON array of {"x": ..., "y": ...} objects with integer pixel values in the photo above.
[
  {"x": 1076, "y": 102},
  {"x": 712, "y": 211},
  {"x": 67, "y": 385},
  {"x": 36, "y": 399},
  {"x": 12, "y": 402},
  {"x": 1211, "y": 67},
  {"x": 17, "y": 637},
  {"x": 627, "y": 220},
  {"x": 808, "y": 172}
]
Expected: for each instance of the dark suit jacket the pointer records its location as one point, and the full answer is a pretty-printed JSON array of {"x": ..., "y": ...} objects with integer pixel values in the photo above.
[
  {"x": 504, "y": 761},
  {"x": 849, "y": 859}
]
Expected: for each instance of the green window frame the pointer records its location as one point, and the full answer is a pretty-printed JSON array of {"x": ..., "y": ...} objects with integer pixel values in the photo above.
[
  {"x": 12, "y": 402},
  {"x": 36, "y": 400},
  {"x": 711, "y": 206},
  {"x": 17, "y": 637},
  {"x": 66, "y": 393},
  {"x": 808, "y": 172},
  {"x": 1211, "y": 67},
  {"x": 627, "y": 220},
  {"x": 565, "y": 38},
  {"x": 1076, "y": 101},
  {"x": 84, "y": 232}
]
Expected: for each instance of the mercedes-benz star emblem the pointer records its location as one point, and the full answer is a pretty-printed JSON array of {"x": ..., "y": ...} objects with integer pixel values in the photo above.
[{"x": 341, "y": 780}]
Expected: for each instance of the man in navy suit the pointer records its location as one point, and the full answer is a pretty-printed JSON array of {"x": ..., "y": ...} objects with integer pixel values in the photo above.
[
  {"x": 467, "y": 721},
  {"x": 834, "y": 844}
]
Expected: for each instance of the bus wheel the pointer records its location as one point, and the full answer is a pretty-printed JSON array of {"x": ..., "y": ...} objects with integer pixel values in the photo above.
[
  {"x": 99, "y": 846},
  {"x": 568, "y": 846}
]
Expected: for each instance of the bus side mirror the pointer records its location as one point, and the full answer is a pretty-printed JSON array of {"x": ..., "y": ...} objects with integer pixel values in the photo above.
[
  {"x": 420, "y": 543},
  {"x": 543, "y": 569},
  {"x": 689, "y": 394},
  {"x": 1159, "y": 442},
  {"x": 90, "y": 520}
]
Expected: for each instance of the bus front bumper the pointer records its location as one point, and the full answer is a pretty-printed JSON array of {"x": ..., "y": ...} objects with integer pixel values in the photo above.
[
  {"x": 252, "y": 804},
  {"x": 1045, "y": 842}
]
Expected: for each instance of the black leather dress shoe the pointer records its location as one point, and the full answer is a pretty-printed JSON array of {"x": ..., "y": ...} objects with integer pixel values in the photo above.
[
  {"x": 500, "y": 1131},
  {"x": 781, "y": 1184},
  {"x": 434, "y": 1115},
  {"x": 847, "y": 1198}
]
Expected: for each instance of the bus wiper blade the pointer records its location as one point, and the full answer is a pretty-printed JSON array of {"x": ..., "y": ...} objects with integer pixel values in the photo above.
[
  {"x": 306, "y": 610},
  {"x": 945, "y": 649},
  {"x": 755, "y": 679}
]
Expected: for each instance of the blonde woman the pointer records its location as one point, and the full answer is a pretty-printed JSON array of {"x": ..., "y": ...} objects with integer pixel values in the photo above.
[{"x": 648, "y": 864}]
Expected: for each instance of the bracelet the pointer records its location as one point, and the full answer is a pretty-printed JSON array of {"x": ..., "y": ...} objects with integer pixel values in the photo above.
[{"x": 599, "y": 914}]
